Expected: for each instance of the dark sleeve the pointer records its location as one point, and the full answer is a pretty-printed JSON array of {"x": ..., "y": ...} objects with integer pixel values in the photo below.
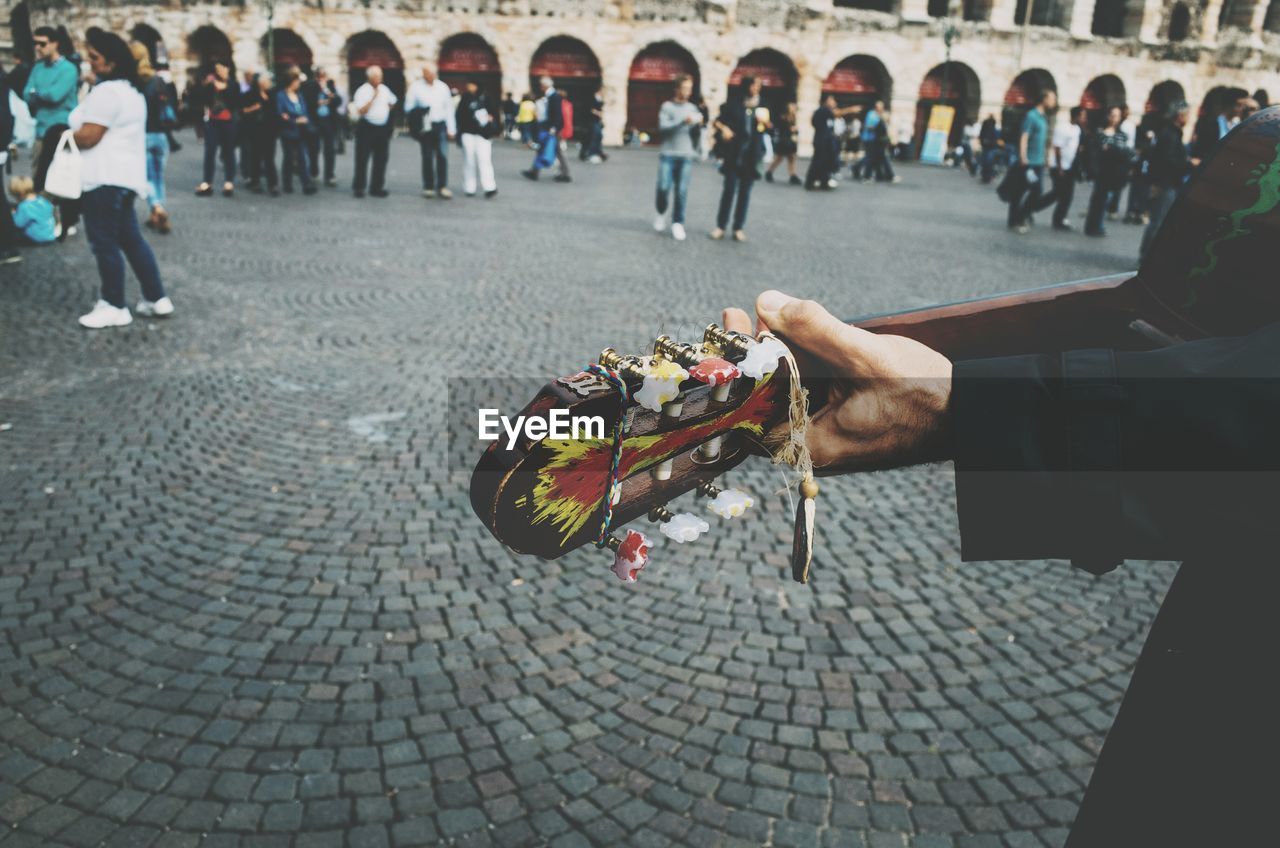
[{"x": 1100, "y": 456}]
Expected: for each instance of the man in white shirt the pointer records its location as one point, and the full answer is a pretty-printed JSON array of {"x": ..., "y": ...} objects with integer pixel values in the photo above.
[
  {"x": 1066, "y": 171},
  {"x": 372, "y": 104},
  {"x": 432, "y": 95}
]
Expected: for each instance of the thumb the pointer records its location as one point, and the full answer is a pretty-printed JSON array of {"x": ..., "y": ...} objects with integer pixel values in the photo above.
[{"x": 806, "y": 325}]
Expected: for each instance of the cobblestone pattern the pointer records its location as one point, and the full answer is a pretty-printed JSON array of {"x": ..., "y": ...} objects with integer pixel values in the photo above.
[{"x": 241, "y": 601}]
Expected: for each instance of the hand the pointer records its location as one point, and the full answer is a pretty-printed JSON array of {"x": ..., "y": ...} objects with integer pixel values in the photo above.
[
  {"x": 452, "y": 136},
  {"x": 727, "y": 134},
  {"x": 887, "y": 395}
]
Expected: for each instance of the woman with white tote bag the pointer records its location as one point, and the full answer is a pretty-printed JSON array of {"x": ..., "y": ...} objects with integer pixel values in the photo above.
[{"x": 109, "y": 129}]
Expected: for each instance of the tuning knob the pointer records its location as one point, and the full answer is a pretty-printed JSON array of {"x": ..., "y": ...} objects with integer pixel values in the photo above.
[
  {"x": 717, "y": 373},
  {"x": 630, "y": 554},
  {"x": 732, "y": 343},
  {"x": 762, "y": 358},
  {"x": 679, "y": 526},
  {"x": 684, "y": 354},
  {"x": 660, "y": 386},
  {"x": 726, "y": 503}
]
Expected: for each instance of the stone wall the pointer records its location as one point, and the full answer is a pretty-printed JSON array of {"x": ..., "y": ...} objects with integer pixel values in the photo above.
[{"x": 814, "y": 34}]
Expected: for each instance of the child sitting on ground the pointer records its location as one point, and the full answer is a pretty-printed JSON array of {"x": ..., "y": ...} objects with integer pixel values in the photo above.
[{"x": 34, "y": 216}]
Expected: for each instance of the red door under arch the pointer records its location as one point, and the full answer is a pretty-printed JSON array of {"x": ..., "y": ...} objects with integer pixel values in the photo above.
[{"x": 651, "y": 81}]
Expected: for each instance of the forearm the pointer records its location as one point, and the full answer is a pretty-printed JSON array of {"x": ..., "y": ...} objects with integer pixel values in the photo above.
[{"x": 1098, "y": 457}]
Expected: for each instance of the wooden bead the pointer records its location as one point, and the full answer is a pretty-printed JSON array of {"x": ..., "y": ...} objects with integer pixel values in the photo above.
[{"x": 809, "y": 488}]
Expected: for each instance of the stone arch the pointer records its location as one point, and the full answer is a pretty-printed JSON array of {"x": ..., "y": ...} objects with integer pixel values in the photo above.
[
  {"x": 1179, "y": 22},
  {"x": 20, "y": 32},
  {"x": 151, "y": 39},
  {"x": 859, "y": 80},
  {"x": 576, "y": 71},
  {"x": 1100, "y": 95},
  {"x": 468, "y": 56},
  {"x": 208, "y": 44},
  {"x": 776, "y": 72},
  {"x": 373, "y": 47},
  {"x": 953, "y": 84},
  {"x": 1023, "y": 94},
  {"x": 1163, "y": 95},
  {"x": 650, "y": 81},
  {"x": 290, "y": 50}
]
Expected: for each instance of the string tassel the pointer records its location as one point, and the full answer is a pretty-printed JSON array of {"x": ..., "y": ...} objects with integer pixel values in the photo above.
[{"x": 795, "y": 452}]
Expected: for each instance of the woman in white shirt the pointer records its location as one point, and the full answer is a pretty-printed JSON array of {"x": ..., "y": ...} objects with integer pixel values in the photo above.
[{"x": 110, "y": 130}]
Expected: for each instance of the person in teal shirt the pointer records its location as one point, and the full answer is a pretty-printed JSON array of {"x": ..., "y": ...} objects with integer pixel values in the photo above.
[
  {"x": 1033, "y": 146},
  {"x": 51, "y": 86},
  {"x": 33, "y": 218}
]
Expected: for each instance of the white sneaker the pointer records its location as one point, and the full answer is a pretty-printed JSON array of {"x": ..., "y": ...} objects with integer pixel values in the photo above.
[
  {"x": 660, "y": 222},
  {"x": 71, "y": 231},
  {"x": 154, "y": 309},
  {"x": 106, "y": 315},
  {"x": 677, "y": 232}
]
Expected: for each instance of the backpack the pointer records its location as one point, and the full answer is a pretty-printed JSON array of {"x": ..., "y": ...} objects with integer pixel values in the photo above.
[{"x": 566, "y": 111}]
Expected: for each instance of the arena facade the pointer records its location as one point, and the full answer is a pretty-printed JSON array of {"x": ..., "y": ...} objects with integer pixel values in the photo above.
[{"x": 1095, "y": 52}]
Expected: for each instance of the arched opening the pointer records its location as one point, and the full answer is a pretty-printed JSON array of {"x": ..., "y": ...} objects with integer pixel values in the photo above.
[
  {"x": 1163, "y": 95},
  {"x": 207, "y": 45},
  {"x": 859, "y": 81},
  {"x": 1272, "y": 22},
  {"x": 1023, "y": 94},
  {"x": 650, "y": 82},
  {"x": 20, "y": 32},
  {"x": 1179, "y": 22},
  {"x": 1100, "y": 95},
  {"x": 1108, "y": 18},
  {"x": 576, "y": 72},
  {"x": 777, "y": 75},
  {"x": 951, "y": 84},
  {"x": 371, "y": 48},
  {"x": 467, "y": 56},
  {"x": 147, "y": 36},
  {"x": 283, "y": 49}
]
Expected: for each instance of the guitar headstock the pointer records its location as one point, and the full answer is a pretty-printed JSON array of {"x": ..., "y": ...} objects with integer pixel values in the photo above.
[{"x": 690, "y": 413}]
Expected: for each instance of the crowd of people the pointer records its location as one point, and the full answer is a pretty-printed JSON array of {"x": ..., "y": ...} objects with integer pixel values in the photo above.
[
  {"x": 1150, "y": 156},
  {"x": 273, "y": 132}
]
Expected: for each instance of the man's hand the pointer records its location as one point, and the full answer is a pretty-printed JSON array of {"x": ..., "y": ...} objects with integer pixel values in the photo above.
[{"x": 887, "y": 396}]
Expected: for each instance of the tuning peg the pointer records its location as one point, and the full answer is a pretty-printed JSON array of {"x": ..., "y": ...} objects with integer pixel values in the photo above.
[
  {"x": 726, "y": 503},
  {"x": 732, "y": 343},
  {"x": 679, "y": 352},
  {"x": 717, "y": 373},
  {"x": 630, "y": 554},
  {"x": 629, "y": 367},
  {"x": 679, "y": 526}
]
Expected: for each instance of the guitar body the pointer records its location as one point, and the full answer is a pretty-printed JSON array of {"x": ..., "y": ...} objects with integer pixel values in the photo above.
[{"x": 1212, "y": 271}]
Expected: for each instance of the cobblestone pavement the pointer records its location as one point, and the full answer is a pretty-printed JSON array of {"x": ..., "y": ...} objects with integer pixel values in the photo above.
[{"x": 243, "y": 602}]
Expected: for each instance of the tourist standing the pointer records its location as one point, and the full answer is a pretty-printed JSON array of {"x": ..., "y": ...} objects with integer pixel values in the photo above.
[
  {"x": 551, "y": 128},
  {"x": 593, "y": 148},
  {"x": 110, "y": 130},
  {"x": 509, "y": 110},
  {"x": 742, "y": 143},
  {"x": 433, "y": 96},
  {"x": 1033, "y": 144},
  {"x": 221, "y": 99},
  {"x": 159, "y": 108},
  {"x": 322, "y": 138},
  {"x": 786, "y": 144},
  {"x": 989, "y": 138},
  {"x": 1169, "y": 168},
  {"x": 262, "y": 127},
  {"x": 1066, "y": 149},
  {"x": 680, "y": 129},
  {"x": 477, "y": 125},
  {"x": 826, "y": 144},
  {"x": 1110, "y": 157},
  {"x": 527, "y": 119},
  {"x": 51, "y": 88},
  {"x": 295, "y": 123},
  {"x": 372, "y": 104}
]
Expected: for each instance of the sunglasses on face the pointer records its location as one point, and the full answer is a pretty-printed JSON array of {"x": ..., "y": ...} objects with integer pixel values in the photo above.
[{"x": 42, "y": 44}]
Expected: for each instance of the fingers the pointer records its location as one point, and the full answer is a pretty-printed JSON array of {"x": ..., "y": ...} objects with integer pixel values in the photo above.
[
  {"x": 806, "y": 325},
  {"x": 736, "y": 321}
]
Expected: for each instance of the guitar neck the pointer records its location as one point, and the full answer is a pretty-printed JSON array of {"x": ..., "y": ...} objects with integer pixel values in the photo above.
[{"x": 1113, "y": 312}]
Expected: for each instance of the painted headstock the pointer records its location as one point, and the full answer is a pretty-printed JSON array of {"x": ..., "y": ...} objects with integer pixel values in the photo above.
[{"x": 694, "y": 412}]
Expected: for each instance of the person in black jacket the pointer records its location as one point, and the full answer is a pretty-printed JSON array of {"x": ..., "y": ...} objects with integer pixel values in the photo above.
[
  {"x": 477, "y": 123},
  {"x": 1109, "y": 158},
  {"x": 261, "y": 124},
  {"x": 1168, "y": 167},
  {"x": 550, "y": 133},
  {"x": 1098, "y": 456},
  {"x": 322, "y": 135},
  {"x": 8, "y": 232},
  {"x": 741, "y": 147}
]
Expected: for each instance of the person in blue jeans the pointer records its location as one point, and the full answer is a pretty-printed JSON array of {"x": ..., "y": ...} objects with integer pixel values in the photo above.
[
  {"x": 110, "y": 127},
  {"x": 156, "y": 92},
  {"x": 1033, "y": 146},
  {"x": 295, "y": 124},
  {"x": 221, "y": 97},
  {"x": 742, "y": 144},
  {"x": 680, "y": 128}
]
